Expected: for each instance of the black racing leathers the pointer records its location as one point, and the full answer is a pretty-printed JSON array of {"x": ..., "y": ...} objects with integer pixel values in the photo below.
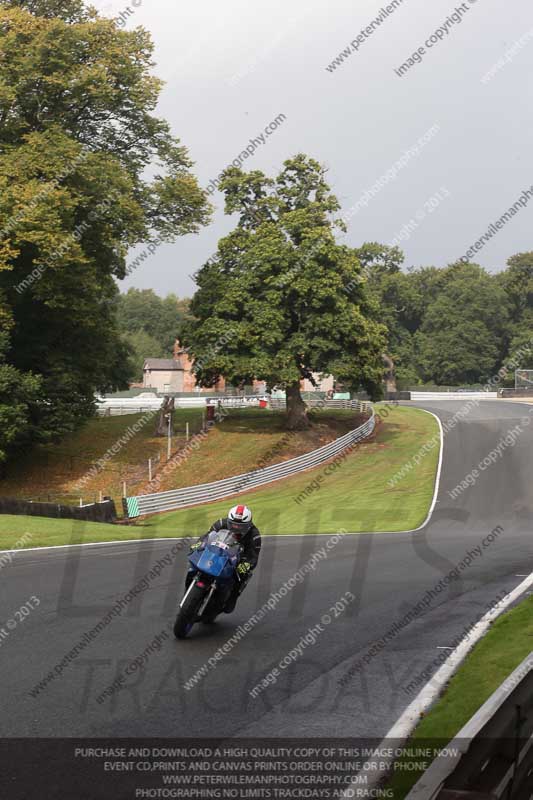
[{"x": 251, "y": 544}]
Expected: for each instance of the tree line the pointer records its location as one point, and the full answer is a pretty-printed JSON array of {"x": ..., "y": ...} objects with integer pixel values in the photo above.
[
  {"x": 451, "y": 326},
  {"x": 281, "y": 299}
]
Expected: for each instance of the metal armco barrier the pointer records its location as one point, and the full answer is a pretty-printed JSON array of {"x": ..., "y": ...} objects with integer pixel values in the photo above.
[
  {"x": 492, "y": 756},
  {"x": 358, "y": 405},
  {"x": 423, "y": 396},
  {"x": 217, "y": 490}
]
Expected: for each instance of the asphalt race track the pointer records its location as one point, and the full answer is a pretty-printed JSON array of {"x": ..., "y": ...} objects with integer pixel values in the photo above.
[{"x": 388, "y": 574}]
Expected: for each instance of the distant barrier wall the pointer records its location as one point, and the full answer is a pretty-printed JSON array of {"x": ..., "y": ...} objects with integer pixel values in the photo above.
[{"x": 94, "y": 512}]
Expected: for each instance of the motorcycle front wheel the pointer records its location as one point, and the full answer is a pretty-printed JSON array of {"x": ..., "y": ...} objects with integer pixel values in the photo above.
[{"x": 188, "y": 612}]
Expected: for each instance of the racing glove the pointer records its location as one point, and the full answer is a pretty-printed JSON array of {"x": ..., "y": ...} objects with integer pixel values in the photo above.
[
  {"x": 244, "y": 568},
  {"x": 197, "y": 545}
]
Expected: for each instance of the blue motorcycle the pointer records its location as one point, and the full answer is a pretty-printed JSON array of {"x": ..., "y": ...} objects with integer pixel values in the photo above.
[{"x": 214, "y": 574}]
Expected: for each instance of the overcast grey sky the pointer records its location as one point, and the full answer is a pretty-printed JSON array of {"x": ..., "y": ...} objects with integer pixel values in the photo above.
[{"x": 232, "y": 67}]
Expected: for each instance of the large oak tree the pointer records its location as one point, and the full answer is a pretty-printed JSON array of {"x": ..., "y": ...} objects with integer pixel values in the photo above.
[{"x": 282, "y": 300}]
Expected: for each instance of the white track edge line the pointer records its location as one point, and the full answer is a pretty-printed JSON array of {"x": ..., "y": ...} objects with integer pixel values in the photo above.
[
  {"x": 405, "y": 724},
  {"x": 437, "y": 477},
  {"x": 409, "y": 719}
]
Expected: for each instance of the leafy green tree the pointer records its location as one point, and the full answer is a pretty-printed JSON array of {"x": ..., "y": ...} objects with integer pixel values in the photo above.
[
  {"x": 517, "y": 280},
  {"x": 450, "y": 325},
  {"x": 462, "y": 338},
  {"x": 404, "y": 298},
  {"x": 162, "y": 318},
  {"x": 402, "y": 312},
  {"x": 19, "y": 398},
  {"x": 77, "y": 133},
  {"x": 522, "y": 342},
  {"x": 378, "y": 260},
  {"x": 400, "y": 304},
  {"x": 282, "y": 300},
  {"x": 143, "y": 346}
]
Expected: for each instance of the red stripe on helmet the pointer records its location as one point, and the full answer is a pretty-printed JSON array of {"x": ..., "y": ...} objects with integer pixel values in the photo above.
[{"x": 240, "y": 510}]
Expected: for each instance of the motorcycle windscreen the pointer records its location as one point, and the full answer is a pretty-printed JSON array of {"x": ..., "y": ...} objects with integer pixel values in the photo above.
[{"x": 211, "y": 563}]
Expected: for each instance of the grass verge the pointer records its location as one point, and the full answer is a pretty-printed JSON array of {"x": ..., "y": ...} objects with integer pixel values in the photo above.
[
  {"x": 355, "y": 496},
  {"x": 246, "y": 439},
  {"x": 107, "y": 451},
  {"x": 83, "y": 464},
  {"x": 502, "y": 649},
  {"x": 43, "y": 531}
]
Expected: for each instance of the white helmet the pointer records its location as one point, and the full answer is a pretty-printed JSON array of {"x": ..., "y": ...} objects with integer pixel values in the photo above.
[{"x": 240, "y": 520}]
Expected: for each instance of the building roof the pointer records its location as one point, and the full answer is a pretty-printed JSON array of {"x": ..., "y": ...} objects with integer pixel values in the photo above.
[{"x": 162, "y": 363}]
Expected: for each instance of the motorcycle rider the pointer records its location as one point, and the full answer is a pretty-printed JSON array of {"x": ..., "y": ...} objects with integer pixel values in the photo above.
[{"x": 239, "y": 522}]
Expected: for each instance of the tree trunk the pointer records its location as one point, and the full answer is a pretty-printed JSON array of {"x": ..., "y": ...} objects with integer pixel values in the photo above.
[
  {"x": 167, "y": 408},
  {"x": 297, "y": 419},
  {"x": 390, "y": 376}
]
